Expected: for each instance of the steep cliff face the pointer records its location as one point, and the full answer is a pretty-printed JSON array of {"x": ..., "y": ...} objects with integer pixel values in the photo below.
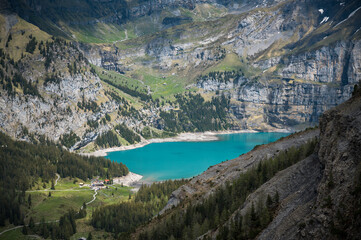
[
  {"x": 48, "y": 89},
  {"x": 307, "y": 85},
  {"x": 61, "y": 77},
  {"x": 336, "y": 212},
  {"x": 330, "y": 209},
  {"x": 286, "y": 104},
  {"x": 338, "y": 62}
]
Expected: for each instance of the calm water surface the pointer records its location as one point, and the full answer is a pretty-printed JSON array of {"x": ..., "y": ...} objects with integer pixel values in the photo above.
[{"x": 174, "y": 160}]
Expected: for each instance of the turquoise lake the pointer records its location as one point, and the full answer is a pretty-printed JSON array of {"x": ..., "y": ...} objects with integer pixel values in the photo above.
[{"x": 174, "y": 160}]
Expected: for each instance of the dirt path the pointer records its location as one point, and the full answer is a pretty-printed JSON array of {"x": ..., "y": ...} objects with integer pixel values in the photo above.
[
  {"x": 10, "y": 229},
  {"x": 56, "y": 181},
  {"x": 94, "y": 197},
  {"x": 126, "y": 37},
  {"x": 65, "y": 190},
  {"x": 20, "y": 226}
]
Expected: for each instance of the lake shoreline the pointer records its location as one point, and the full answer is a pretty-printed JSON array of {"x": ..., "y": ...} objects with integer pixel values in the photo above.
[{"x": 182, "y": 137}]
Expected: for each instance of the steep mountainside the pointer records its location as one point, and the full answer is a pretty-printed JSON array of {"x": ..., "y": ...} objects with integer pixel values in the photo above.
[
  {"x": 317, "y": 197},
  {"x": 48, "y": 89}
]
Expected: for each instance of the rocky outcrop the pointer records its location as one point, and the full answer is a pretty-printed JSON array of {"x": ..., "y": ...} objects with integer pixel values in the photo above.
[
  {"x": 53, "y": 116},
  {"x": 55, "y": 111},
  {"x": 339, "y": 62},
  {"x": 331, "y": 208},
  {"x": 336, "y": 211}
]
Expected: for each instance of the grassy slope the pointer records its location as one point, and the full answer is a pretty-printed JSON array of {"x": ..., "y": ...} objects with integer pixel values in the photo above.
[
  {"x": 15, "y": 235},
  {"x": 20, "y": 33},
  {"x": 145, "y": 25},
  {"x": 161, "y": 85},
  {"x": 69, "y": 195}
]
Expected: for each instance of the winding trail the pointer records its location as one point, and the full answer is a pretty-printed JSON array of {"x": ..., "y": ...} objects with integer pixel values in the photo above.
[
  {"x": 10, "y": 229},
  {"x": 94, "y": 197},
  {"x": 20, "y": 226},
  {"x": 126, "y": 35},
  {"x": 56, "y": 181},
  {"x": 125, "y": 39}
]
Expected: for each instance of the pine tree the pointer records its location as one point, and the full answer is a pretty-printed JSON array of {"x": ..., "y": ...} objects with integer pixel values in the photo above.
[
  {"x": 90, "y": 236},
  {"x": 269, "y": 201},
  {"x": 31, "y": 223},
  {"x": 25, "y": 230},
  {"x": 277, "y": 197},
  {"x": 52, "y": 185},
  {"x": 29, "y": 200}
]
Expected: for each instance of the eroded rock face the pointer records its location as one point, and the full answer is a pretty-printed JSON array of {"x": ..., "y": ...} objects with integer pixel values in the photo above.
[
  {"x": 56, "y": 113},
  {"x": 335, "y": 212},
  {"x": 279, "y": 105},
  {"x": 336, "y": 63},
  {"x": 65, "y": 85}
]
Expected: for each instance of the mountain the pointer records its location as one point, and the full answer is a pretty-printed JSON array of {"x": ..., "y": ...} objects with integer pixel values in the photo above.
[
  {"x": 75, "y": 72},
  {"x": 275, "y": 63},
  {"x": 98, "y": 20},
  {"x": 95, "y": 74}
]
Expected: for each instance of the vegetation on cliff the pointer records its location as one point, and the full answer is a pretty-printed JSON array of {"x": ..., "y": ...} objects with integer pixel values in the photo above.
[{"x": 196, "y": 114}]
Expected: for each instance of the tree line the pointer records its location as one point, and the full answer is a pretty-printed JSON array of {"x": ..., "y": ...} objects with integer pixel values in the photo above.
[
  {"x": 69, "y": 139},
  {"x": 196, "y": 114},
  {"x": 127, "y": 134},
  {"x": 226, "y": 76},
  {"x": 143, "y": 96},
  {"x": 107, "y": 139}
]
